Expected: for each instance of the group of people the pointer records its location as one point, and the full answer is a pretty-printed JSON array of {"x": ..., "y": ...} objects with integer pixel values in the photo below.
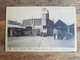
[{"x": 59, "y": 35}]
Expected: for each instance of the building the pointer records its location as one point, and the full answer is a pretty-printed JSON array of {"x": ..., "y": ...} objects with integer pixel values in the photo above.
[
  {"x": 71, "y": 29},
  {"x": 63, "y": 31},
  {"x": 46, "y": 27},
  {"x": 15, "y": 28},
  {"x": 42, "y": 26},
  {"x": 59, "y": 25}
]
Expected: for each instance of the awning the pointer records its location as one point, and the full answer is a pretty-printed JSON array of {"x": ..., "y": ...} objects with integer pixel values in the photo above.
[{"x": 15, "y": 26}]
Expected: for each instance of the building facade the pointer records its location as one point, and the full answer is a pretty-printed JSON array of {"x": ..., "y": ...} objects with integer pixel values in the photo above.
[
  {"x": 41, "y": 27},
  {"x": 15, "y": 28}
]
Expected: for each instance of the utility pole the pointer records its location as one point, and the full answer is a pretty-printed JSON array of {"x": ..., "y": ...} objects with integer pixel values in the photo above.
[{"x": 33, "y": 28}]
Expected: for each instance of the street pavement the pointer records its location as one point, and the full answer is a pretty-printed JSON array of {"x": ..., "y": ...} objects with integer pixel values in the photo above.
[{"x": 37, "y": 41}]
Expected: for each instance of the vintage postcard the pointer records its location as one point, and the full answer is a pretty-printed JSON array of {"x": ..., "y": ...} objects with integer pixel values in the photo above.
[{"x": 41, "y": 29}]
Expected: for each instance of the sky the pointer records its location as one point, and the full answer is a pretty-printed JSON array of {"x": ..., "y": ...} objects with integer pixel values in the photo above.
[{"x": 66, "y": 14}]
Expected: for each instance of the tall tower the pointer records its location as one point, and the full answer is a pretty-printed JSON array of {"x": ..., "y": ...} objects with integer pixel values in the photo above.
[{"x": 45, "y": 16}]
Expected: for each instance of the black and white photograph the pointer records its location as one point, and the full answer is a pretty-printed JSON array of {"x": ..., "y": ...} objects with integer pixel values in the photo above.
[{"x": 41, "y": 28}]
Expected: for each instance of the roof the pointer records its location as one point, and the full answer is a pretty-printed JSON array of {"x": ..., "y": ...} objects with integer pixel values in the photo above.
[
  {"x": 32, "y": 19},
  {"x": 71, "y": 26},
  {"x": 15, "y": 26},
  {"x": 60, "y": 23}
]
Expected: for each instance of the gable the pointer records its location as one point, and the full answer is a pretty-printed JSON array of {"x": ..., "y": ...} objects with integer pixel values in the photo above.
[{"x": 60, "y": 24}]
